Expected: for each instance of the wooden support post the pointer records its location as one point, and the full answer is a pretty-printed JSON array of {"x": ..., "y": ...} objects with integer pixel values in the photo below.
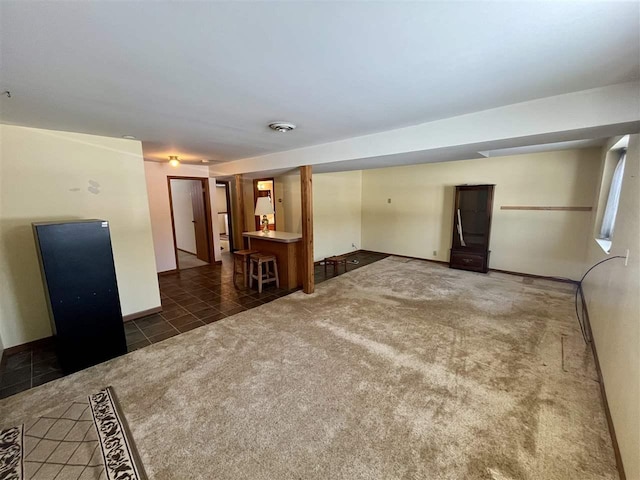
[
  {"x": 306, "y": 186},
  {"x": 239, "y": 201}
]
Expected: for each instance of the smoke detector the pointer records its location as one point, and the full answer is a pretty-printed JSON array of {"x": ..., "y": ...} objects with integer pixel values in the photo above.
[{"x": 282, "y": 127}]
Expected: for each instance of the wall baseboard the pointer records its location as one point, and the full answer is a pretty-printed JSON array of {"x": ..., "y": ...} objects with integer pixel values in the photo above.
[
  {"x": 508, "y": 272},
  {"x": 48, "y": 341},
  {"x": 603, "y": 393},
  {"x": 531, "y": 275},
  {"x": 143, "y": 313},
  {"x": 168, "y": 272},
  {"x": 41, "y": 342}
]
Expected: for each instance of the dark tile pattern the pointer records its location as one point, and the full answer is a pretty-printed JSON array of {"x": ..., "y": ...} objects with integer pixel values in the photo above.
[
  {"x": 190, "y": 299},
  {"x": 27, "y": 369}
]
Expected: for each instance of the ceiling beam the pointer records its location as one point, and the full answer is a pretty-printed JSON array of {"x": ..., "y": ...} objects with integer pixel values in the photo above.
[{"x": 597, "y": 112}]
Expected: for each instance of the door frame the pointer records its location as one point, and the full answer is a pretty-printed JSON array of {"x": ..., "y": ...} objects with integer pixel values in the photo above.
[
  {"x": 273, "y": 200},
  {"x": 208, "y": 218},
  {"x": 227, "y": 192}
]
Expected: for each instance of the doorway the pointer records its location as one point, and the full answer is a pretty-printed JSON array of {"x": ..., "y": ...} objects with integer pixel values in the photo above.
[
  {"x": 225, "y": 222},
  {"x": 189, "y": 199},
  {"x": 264, "y": 187}
]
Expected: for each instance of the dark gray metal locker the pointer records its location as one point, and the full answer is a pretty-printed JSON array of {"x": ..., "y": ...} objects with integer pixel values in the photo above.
[{"x": 82, "y": 292}]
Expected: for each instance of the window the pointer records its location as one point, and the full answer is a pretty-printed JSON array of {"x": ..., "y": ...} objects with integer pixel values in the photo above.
[{"x": 611, "y": 186}]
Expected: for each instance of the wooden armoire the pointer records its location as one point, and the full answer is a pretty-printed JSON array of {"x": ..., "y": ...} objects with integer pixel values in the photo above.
[{"x": 473, "y": 205}]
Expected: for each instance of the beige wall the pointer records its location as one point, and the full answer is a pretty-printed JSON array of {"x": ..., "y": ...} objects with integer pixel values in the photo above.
[
  {"x": 291, "y": 202},
  {"x": 183, "y": 214},
  {"x": 612, "y": 291},
  {"x": 45, "y": 176},
  {"x": 337, "y": 203},
  {"x": 337, "y": 209},
  {"x": 156, "y": 178},
  {"x": 419, "y": 219},
  {"x": 221, "y": 201},
  {"x": 221, "y": 198}
]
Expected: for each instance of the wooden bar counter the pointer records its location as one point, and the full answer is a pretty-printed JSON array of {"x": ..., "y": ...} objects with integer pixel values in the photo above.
[{"x": 286, "y": 247}]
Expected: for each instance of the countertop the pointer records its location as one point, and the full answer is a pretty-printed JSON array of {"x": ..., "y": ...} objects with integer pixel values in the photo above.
[{"x": 276, "y": 236}]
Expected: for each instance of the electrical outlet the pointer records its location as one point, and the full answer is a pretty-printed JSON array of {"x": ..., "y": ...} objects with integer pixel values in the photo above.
[
  {"x": 435, "y": 253},
  {"x": 354, "y": 245},
  {"x": 626, "y": 258}
]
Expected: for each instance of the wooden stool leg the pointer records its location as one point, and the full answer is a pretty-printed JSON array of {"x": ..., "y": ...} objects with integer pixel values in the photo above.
[
  {"x": 275, "y": 269},
  {"x": 259, "y": 276},
  {"x": 234, "y": 271},
  {"x": 245, "y": 272},
  {"x": 325, "y": 268},
  {"x": 251, "y": 274}
]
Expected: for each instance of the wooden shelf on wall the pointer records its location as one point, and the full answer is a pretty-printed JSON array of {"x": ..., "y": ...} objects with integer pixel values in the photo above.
[{"x": 551, "y": 209}]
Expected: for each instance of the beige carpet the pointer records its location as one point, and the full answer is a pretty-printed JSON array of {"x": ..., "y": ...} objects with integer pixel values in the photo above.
[{"x": 398, "y": 370}]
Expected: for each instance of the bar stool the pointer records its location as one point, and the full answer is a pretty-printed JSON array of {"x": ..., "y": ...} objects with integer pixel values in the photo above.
[
  {"x": 240, "y": 259},
  {"x": 263, "y": 276}
]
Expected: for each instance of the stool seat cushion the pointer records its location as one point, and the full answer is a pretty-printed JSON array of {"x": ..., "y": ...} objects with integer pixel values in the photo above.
[{"x": 264, "y": 257}]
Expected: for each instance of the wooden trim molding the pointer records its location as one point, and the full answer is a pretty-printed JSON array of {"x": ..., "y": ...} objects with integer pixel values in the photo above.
[
  {"x": 306, "y": 187},
  {"x": 603, "y": 392},
  {"x": 531, "y": 275},
  {"x": 204, "y": 181},
  {"x": 549, "y": 209},
  {"x": 239, "y": 201}
]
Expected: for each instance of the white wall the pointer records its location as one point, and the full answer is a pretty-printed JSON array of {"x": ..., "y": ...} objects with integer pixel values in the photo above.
[
  {"x": 612, "y": 291},
  {"x": 215, "y": 226},
  {"x": 183, "y": 214},
  {"x": 158, "y": 190},
  {"x": 419, "y": 219},
  {"x": 337, "y": 210},
  {"x": 47, "y": 176}
]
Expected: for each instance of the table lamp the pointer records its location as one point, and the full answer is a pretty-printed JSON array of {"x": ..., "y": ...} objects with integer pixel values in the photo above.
[{"x": 264, "y": 208}]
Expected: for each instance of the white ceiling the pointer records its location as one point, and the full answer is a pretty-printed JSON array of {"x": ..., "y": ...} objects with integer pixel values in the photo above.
[{"x": 203, "y": 79}]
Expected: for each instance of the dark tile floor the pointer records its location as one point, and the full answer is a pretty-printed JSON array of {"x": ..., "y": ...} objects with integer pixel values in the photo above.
[
  {"x": 355, "y": 260},
  {"x": 190, "y": 299}
]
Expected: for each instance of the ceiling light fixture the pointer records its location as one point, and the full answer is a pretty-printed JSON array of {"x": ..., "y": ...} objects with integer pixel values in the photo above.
[
  {"x": 173, "y": 160},
  {"x": 129, "y": 137},
  {"x": 282, "y": 127}
]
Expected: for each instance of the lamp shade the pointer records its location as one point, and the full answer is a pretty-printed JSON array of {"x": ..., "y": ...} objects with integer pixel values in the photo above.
[{"x": 264, "y": 207}]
